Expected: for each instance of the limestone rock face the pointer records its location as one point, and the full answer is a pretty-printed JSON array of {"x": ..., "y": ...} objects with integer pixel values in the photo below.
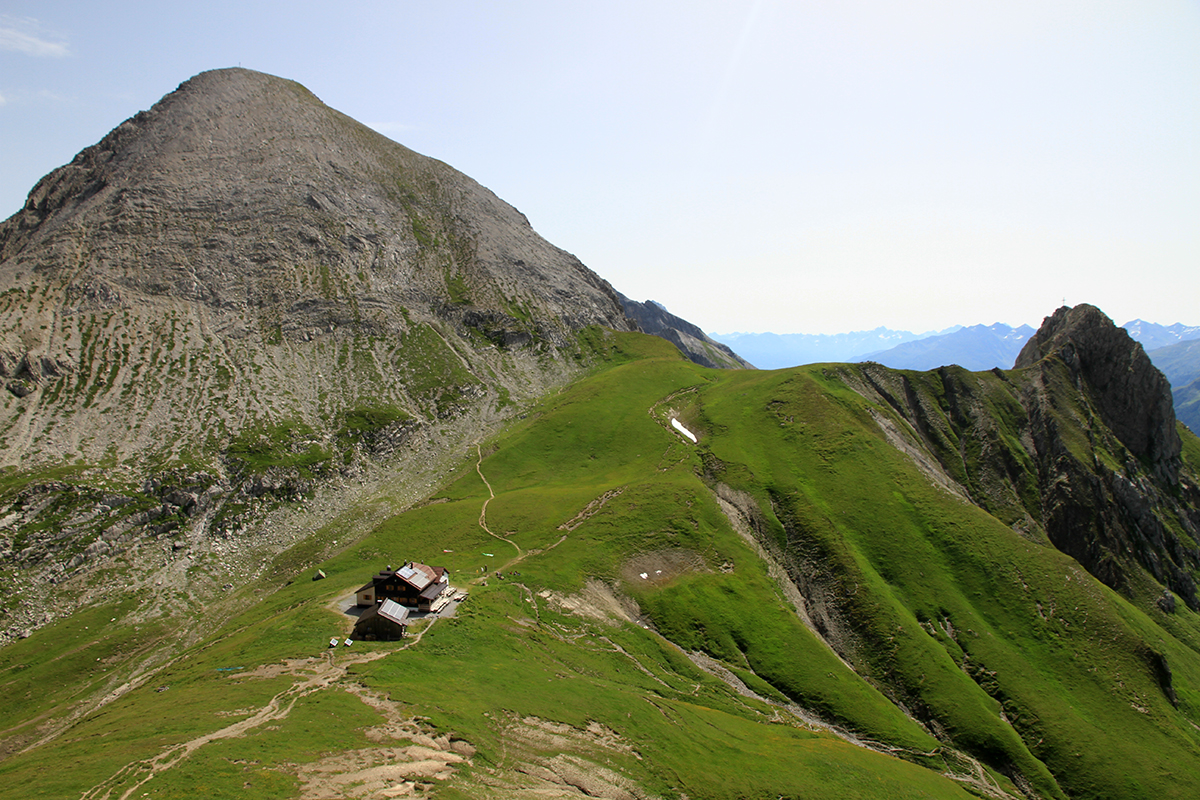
[
  {"x": 243, "y": 191},
  {"x": 244, "y": 252},
  {"x": 1132, "y": 396}
]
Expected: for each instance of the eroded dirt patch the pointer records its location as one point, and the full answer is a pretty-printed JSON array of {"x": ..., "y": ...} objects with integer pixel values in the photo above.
[
  {"x": 377, "y": 773},
  {"x": 547, "y": 759},
  {"x": 409, "y": 762},
  {"x": 544, "y": 734},
  {"x": 660, "y": 566},
  {"x": 597, "y": 602}
]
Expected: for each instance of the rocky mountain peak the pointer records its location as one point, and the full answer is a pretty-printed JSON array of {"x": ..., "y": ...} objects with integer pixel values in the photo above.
[
  {"x": 1131, "y": 395},
  {"x": 280, "y": 261},
  {"x": 223, "y": 121},
  {"x": 239, "y": 188}
]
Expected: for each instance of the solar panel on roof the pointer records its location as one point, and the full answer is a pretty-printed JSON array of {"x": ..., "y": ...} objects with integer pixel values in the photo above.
[
  {"x": 393, "y": 611},
  {"x": 416, "y": 577}
]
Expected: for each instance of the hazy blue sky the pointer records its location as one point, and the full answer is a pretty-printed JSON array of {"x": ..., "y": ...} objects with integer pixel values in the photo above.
[{"x": 811, "y": 167}]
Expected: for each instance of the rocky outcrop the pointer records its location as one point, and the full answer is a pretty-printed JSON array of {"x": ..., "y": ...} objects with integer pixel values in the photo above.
[
  {"x": 1076, "y": 446},
  {"x": 1107, "y": 450},
  {"x": 24, "y": 374},
  {"x": 1130, "y": 394},
  {"x": 695, "y": 344}
]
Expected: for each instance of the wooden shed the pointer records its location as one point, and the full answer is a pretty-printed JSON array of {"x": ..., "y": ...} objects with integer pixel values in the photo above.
[{"x": 385, "y": 622}]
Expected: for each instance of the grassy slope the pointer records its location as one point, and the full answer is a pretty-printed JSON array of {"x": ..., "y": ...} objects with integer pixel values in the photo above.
[
  {"x": 1033, "y": 635},
  {"x": 1061, "y": 655}
]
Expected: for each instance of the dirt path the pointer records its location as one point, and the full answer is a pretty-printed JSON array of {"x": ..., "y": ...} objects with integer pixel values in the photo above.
[
  {"x": 313, "y": 674},
  {"x": 483, "y": 521},
  {"x": 588, "y": 511},
  {"x": 316, "y": 674},
  {"x": 483, "y": 511}
]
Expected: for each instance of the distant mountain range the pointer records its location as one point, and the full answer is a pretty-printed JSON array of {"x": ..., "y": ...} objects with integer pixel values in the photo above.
[
  {"x": 977, "y": 347},
  {"x": 1180, "y": 362},
  {"x": 1173, "y": 349},
  {"x": 1153, "y": 336},
  {"x": 779, "y": 350}
]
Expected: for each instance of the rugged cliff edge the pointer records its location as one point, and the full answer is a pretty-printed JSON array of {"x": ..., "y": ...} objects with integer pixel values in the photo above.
[
  {"x": 1130, "y": 394},
  {"x": 694, "y": 343},
  {"x": 1077, "y": 446},
  {"x": 1113, "y": 503}
]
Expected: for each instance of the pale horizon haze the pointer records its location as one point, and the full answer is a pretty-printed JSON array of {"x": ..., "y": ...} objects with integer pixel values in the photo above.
[{"x": 793, "y": 167}]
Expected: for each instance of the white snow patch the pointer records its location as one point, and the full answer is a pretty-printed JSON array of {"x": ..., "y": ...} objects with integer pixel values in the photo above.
[{"x": 679, "y": 427}]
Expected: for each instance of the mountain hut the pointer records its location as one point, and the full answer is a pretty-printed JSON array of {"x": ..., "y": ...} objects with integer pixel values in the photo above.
[{"x": 414, "y": 585}]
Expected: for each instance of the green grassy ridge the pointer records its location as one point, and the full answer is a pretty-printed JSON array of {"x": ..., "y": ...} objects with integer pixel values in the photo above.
[
  {"x": 483, "y": 649},
  {"x": 703, "y": 742},
  {"x": 608, "y": 415},
  {"x": 917, "y": 541},
  {"x": 820, "y": 474},
  {"x": 287, "y": 622},
  {"x": 826, "y": 482}
]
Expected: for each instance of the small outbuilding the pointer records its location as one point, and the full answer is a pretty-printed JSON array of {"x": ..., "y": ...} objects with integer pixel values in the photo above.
[{"x": 385, "y": 622}]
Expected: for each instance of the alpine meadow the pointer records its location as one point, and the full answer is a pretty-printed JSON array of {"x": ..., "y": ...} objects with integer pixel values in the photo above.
[{"x": 260, "y": 363}]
